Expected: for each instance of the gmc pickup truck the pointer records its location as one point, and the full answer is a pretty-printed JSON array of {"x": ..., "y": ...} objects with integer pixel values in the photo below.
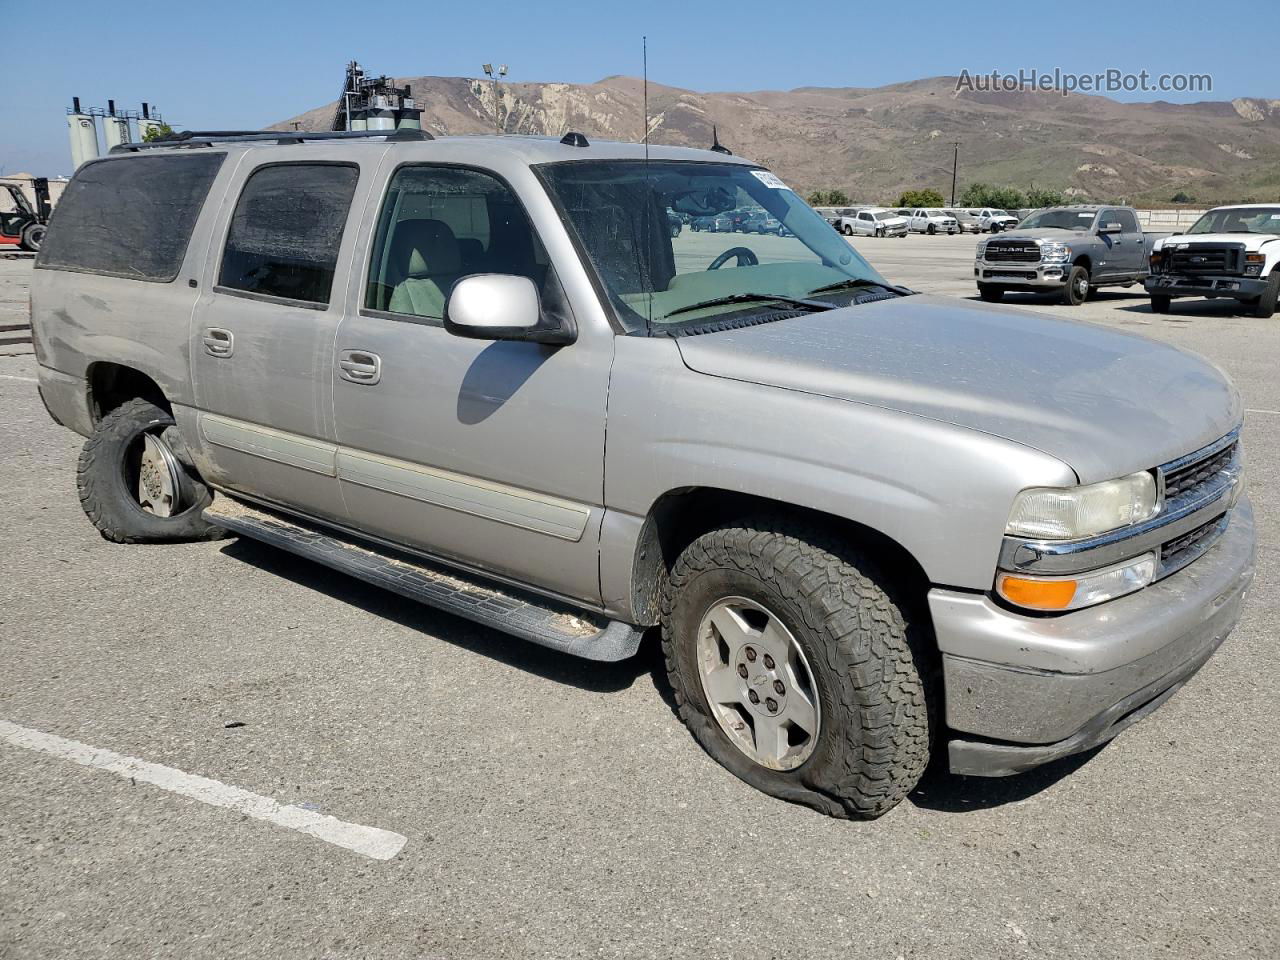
[
  {"x": 1070, "y": 250},
  {"x": 870, "y": 526},
  {"x": 1231, "y": 252}
]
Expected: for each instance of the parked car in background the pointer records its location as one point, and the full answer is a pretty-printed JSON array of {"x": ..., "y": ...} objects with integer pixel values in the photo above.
[
  {"x": 932, "y": 221},
  {"x": 968, "y": 222},
  {"x": 877, "y": 222},
  {"x": 722, "y": 223},
  {"x": 1070, "y": 250},
  {"x": 993, "y": 219},
  {"x": 675, "y": 222},
  {"x": 1229, "y": 252}
]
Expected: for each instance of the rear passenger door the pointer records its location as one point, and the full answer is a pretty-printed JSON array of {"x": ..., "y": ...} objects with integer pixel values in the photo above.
[{"x": 263, "y": 330}]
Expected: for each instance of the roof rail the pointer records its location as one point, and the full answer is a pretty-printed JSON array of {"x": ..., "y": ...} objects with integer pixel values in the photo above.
[{"x": 207, "y": 138}]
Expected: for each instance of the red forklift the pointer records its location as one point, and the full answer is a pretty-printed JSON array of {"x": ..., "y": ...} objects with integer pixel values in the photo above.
[{"x": 21, "y": 225}]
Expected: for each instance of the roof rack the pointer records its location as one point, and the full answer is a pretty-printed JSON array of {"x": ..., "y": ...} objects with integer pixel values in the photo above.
[{"x": 207, "y": 138}]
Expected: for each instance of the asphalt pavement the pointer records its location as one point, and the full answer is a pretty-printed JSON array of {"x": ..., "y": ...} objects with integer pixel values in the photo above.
[{"x": 551, "y": 807}]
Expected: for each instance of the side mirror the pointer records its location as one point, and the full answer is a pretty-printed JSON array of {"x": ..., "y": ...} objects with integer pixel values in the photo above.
[
  {"x": 1111, "y": 227},
  {"x": 497, "y": 306}
]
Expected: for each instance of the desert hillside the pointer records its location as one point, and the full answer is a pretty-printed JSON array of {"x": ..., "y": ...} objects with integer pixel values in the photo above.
[{"x": 875, "y": 142}]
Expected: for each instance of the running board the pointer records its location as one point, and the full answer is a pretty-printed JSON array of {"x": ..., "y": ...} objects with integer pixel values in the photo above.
[{"x": 509, "y": 609}]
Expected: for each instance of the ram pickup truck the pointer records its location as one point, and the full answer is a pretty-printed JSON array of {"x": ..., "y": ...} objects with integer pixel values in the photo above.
[
  {"x": 869, "y": 526},
  {"x": 1069, "y": 250},
  {"x": 1231, "y": 252}
]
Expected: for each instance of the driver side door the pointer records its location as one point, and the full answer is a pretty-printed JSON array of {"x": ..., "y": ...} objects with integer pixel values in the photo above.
[{"x": 488, "y": 454}]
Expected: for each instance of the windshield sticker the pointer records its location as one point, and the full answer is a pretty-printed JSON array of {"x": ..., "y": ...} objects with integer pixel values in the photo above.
[
  {"x": 1085, "y": 216},
  {"x": 769, "y": 180},
  {"x": 1275, "y": 216}
]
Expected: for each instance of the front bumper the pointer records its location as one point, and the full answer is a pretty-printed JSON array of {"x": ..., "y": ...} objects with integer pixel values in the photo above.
[
  {"x": 1024, "y": 690},
  {"x": 1022, "y": 276},
  {"x": 1171, "y": 285}
]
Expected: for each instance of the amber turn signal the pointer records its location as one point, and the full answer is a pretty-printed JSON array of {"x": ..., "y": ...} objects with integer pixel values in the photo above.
[{"x": 1037, "y": 594}]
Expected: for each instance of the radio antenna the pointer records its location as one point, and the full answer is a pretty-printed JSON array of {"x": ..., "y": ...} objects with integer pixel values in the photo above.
[{"x": 649, "y": 199}]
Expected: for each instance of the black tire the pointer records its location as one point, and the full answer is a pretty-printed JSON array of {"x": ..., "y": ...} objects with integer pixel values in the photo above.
[
  {"x": 848, "y": 230},
  {"x": 866, "y": 653},
  {"x": 104, "y": 480},
  {"x": 33, "y": 235},
  {"x": 1265, "y": 307},
  {"x": 1160, "y": 304},
  {"x": 990, "y": 292},
  {"x": 1077, "y": 289},
  {"x": 931, "y": 230}
]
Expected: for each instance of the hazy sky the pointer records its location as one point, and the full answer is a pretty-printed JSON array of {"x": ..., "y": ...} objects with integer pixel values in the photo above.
[{"x": 236, "y": 63}]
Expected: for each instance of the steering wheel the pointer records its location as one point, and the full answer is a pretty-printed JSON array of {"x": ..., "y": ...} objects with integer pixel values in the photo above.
[{"x": 746, "y": 258}]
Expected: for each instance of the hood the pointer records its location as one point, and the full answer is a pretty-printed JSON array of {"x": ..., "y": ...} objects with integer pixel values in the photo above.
[
  {"x": 1106, "y": 403},
  {"x": 1066, "y": 236},
  {"x": 1253, "y": 242}
]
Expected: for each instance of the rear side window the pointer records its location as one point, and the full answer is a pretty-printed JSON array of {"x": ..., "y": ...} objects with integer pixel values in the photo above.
[
  {"x": 129, "y": 217},
  {"x": 286, "y": 231}
]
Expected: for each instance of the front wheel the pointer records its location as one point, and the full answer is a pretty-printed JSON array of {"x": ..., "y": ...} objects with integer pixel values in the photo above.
[
  {"x": 931, "y": 230},
  {"x": 796, "y": 665},
  {"x": 848, "y": 230},
  {"x": 1160, "y": 304},
  {"x": 1076, "y": 291},
  {"x": 990, "y": 292},
  {"x": 132, "y": 486},
  {"x": 1265, "y": 306}
]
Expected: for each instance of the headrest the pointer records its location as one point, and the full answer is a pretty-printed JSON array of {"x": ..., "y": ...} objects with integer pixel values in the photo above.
[{"x": 425, "y": 248}]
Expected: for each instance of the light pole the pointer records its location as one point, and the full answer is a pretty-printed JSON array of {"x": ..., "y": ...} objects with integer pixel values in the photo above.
[
  {"x": 493, "y": 81},
  {"x": 955, "y": 165}
]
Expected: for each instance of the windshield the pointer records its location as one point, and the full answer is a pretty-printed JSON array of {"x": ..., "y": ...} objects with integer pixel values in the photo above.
[
  {"x": 886, "y": 215},
  {"x": 1059, "y": 220},
  {"x": 659, "y": 281},
  {"x": 1239, "y": 220}
]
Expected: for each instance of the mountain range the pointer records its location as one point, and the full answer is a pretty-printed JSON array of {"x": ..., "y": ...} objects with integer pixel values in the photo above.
[{"x": 876, "y": 142}]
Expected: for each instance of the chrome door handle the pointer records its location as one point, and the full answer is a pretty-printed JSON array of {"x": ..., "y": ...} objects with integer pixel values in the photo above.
[
  {"x": 219, "y": 342},
  {"x": 360, "y": 366}
]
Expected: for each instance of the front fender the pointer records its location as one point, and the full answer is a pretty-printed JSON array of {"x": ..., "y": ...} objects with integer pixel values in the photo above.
[{"x": 940, "y": 491}]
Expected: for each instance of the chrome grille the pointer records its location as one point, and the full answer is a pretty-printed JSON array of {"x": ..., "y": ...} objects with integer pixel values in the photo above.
[
  {"x": 1012, "y": 251},
  {"x": 1179, "y": 552},
  {"x": 1184, "y": 479}
]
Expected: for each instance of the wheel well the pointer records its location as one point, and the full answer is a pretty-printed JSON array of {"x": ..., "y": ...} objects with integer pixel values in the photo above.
[
  {"x": 681, "y": 516},
  {"x": 111, "y": 384},
  {"x": 1083, "y": 261}
]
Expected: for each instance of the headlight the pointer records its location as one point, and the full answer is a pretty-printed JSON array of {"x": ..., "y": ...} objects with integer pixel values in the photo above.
[
  {"x": 1084, "y": 590},
  {"x": 1072, "y": 513},
  {"x": 982, "y": 250},
  {"x": 1253, "y": 264},
  {"x": 1055, "y": 252}
]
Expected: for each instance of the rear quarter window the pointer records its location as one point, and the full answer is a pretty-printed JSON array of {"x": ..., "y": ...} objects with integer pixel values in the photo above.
[{"x": 129, "y": 217}]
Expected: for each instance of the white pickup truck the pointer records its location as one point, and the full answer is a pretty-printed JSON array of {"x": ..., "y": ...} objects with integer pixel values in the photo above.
[{"x": 1231, "y": 252}]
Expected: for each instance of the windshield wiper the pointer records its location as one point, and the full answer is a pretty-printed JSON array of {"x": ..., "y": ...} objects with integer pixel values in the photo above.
[
  {"x": 858, "y": 282},
  {"x": 753, "y": 298}
]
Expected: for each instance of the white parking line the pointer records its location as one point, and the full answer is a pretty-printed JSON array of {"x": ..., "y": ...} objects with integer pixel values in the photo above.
[
  {"x": 7, "y": 376},
  {"x": 1262, "y": 411},
  {"x": 369, "y": 841}
]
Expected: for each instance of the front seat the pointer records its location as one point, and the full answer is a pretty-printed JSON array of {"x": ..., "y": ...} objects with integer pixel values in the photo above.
[{"x": 425, "y": 261}]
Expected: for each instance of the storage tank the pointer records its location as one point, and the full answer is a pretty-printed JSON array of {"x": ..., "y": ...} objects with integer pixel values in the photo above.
[
  {"x": 380, "y": 115},
  {"x": 83, "y": 134},
  {"x": 408, "y": 117},
  {"x": 115, "y": 130},
  {"x": 147, "y": 123}
]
